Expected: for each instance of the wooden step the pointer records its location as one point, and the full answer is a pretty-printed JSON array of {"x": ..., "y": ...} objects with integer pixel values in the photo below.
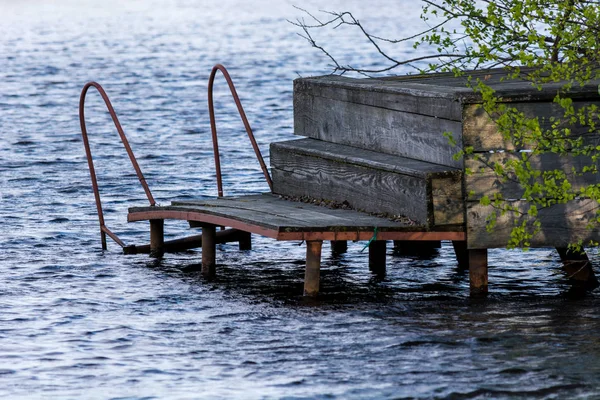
[
  {"x": 399, "y": 118},
  {"x": 429, "y": 194}
]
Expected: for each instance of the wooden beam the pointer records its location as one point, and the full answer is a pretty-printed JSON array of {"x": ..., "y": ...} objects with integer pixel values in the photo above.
[
  {"x": 209, "y": 249},
  {"x": 312, "y": 273},
  {"x": 377, "y": 257},
  {"x": 157, "y": 236},
  {"x": 478, "y": 272},
  {"x": 190, "y": 242}
]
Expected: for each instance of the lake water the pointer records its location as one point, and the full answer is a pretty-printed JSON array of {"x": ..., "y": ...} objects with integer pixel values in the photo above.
[{"x": 77, "y": 322}]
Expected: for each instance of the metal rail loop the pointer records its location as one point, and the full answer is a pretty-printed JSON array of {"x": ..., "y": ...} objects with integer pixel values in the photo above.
[
  {"x": 103, "y": 229},
  {"x": 213, "y": 127}
]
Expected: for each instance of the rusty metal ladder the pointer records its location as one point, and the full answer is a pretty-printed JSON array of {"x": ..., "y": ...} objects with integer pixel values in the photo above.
[{"x": 227, "y": 235}]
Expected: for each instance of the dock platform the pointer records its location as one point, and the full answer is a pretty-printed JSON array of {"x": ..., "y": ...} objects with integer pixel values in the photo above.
[{"x": 280, "y": 219}]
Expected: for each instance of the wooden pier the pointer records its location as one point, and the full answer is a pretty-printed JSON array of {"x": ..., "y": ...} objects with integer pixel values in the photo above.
[
  {"x": 269, "y": 215},
  {"x": 377, "y": 147}
]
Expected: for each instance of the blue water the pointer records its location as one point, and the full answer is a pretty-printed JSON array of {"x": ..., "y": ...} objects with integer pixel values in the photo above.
[{"x": 77, "y": 322}]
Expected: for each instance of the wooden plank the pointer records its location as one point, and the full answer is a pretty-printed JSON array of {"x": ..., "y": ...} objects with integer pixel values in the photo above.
[
  {"x": 365, "y": 158},
  {"x": 481, "y": 132},
  {"x": 361, "y": 188},
  {"x": 275, "y": 213},
  {"x": 447, "y": 200},
  {"x": 410, "y": 97},
  {"x": 485, "y": 182},
  {"x": 562, "y": 224},
  {"x": 399, "y": 232},
  {"x": 377, "y": 129},
  {"x": 510, "y": 90}
]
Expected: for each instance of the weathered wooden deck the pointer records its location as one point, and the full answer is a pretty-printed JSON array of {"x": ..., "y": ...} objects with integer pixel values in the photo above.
[{"x": 271, "y": 216}]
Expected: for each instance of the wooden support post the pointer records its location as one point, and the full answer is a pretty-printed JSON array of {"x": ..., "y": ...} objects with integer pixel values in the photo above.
[
  {"x": 312, "y": 273},
  {"x": 339, "y": 246},
  {"x": 209, "y": 249},
  {"x": 578, "y": 268},
  {"x": 245, "y": 242},
  {"x": 377, "y": 257},
  {"x": 157, "y": 237},
  {"x": 478, "y": 272},
  {"x": 462, "y": 254}
]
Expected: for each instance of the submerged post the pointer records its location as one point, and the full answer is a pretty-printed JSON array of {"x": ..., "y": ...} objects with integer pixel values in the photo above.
[
  {"x": 209, "y": 249},
  {"x": 377, "y": 257},
  {"x": 478, "y": 272},
  {"x": 157, "y": 236},
  {"x": 339, "y": 246},
  {"x": 312, "y": 273},
  {"x": 245, "y": 242}
]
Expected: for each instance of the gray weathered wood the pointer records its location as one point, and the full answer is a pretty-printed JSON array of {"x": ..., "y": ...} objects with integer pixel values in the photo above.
[
  {"x": 368, "y": 181},
  {"x": 366, "y": 158},
  {"x": 485, "y": 182},
  {"x": 405, "y": 96},
  {"x": 512, "y": 90},
  {"x": 362, "y": 189},
  {"x": 481, "y": 132},
  {"x": 377, "y": 129},
  {"x": 271, "y": 212},
  {"x": 447, "y": 199},
  {"x": 562, "y": 224}
]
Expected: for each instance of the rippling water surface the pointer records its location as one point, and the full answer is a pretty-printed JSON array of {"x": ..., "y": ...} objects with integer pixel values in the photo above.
[{"x": 77, "y": 322}]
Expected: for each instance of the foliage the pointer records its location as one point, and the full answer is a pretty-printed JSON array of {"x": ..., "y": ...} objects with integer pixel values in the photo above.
[{"x": 549, "y": 43}]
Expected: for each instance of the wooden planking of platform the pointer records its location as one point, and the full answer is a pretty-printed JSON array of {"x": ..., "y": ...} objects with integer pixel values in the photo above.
[
  {"x": 369, "y": 181},
  {"x": 280, "y": 219}
]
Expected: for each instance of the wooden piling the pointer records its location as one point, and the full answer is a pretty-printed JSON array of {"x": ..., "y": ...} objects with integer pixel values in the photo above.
[
  {"x": 462, "y": 254},
  {"x": 312, "y": 274},
  {"x": 478, "y": 272},
  {"x": 245, "y": 242},
  {"x": 339, "y": 246},
  {"x": 157, "y": 236},
  {"x": 209, "y": 249},
  {"x": 377, "y": 257}
]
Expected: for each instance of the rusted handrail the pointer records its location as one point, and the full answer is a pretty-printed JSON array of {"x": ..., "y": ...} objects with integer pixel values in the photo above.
[
  {"x": 213, "y": 127},
  {"x": 103, "y": 229}
]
